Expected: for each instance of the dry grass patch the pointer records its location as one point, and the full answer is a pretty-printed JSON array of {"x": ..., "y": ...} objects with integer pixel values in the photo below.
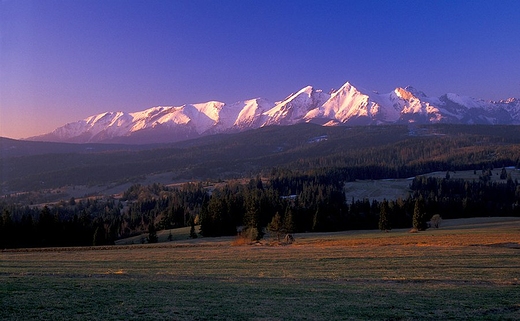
[
  {"x": 424, "y": 239},
  {"x": 361, "y": 275}
]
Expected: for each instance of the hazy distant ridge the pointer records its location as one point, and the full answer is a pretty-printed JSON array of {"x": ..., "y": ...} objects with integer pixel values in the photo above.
[{"x": 346, "y": 106}]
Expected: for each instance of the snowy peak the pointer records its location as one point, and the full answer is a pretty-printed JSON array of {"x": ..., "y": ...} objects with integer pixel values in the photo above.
[
  {"x": 465, "y": 101},
  {"x": 293, "y": 108},
  {"x": 415, "y": 92},
  {"x": 250, "y": 113},
  {"x": 404, "y": 93},
  {"x": 346, "y": 106}
]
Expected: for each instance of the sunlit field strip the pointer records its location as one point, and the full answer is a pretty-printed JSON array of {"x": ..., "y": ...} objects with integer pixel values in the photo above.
[{"x": 457, "y": 272}]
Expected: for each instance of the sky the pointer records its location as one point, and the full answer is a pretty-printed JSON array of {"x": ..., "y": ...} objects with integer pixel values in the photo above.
[{"x": 62, "y": 61}]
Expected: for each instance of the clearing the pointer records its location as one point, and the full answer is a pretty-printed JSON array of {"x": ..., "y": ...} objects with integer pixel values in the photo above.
[{"x": 392, "y": 189}]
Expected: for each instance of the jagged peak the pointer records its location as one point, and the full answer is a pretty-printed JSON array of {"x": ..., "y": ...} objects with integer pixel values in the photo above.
[
  {"x": 404, "y": 93},
  {"x": 150, "y": 111},
  {"x": 417, "y": 93},
  {"x": 211, "y": 103},
  {"x": 256, "y": 100},
  {"x": 307, "y": 89},
  {"x": 346, "y": 105},
  {"x": 347, "y": 87},
  {"x": 106, "y": 115},
  {"x": 508, "y": 100}
]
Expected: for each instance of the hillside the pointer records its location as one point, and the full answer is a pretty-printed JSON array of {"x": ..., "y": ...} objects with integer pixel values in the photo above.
[{"x": 396, "y": 152}]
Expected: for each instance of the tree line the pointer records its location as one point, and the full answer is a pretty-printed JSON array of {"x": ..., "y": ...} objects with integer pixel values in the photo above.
[{"x": 285, "y": 202}]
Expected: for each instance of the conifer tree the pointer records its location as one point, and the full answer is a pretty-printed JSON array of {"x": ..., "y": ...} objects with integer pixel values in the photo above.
[
  {"x": 288, "y": 221},
  {"x": 503, "y": 173},
  {"x": 419, "y": 217},
  {"x": 193, "y": 234},
  {"x": 252, "y": 220},
  {"x": 5, "y": 229},
  {"x": 99, "y": 236},
  {"x": 316, "y": 220},
  {"x": 47, "y": 227},
  {"x": 276, "y": 226},
  {"x": 152, "y": 233},
  {"x": 215, "y": 219},
  {"x": 384, "y": 217}
]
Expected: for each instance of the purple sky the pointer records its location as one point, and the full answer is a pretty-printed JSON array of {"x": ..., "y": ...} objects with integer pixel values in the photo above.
[{"x": 62, "y": 61}]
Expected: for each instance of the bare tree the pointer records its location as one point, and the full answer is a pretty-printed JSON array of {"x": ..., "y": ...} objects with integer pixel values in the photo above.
[{"x": 436, "y": 220}]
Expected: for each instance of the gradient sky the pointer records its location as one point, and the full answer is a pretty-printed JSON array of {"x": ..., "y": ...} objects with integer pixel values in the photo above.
[{"x": 62, "y": 61}]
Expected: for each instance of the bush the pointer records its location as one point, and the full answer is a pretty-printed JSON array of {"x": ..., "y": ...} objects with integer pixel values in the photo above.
[{"x": 436, "y": 220}]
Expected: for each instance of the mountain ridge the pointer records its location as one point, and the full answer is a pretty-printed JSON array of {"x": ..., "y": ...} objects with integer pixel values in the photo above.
[{"x": 348, "y": 105}]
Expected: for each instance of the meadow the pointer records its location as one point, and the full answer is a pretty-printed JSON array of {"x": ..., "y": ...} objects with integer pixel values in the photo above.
[{"x": 467, "y": 269}]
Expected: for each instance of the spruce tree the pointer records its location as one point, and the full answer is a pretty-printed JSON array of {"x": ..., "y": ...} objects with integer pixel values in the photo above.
[
  {"x": 99, "y": 236},
  {"x": 276, "y": 226},
  {"x": 152, "y": 233},
  {"x": 6, "y": 229},
  {"x": 503, "y": 173},
  {"x": 193, "y": 234},
  {"x": 419, "y": 217},
  {"x": 252, "y": 217},
  {"x": 288, "y": 221},
  {"x": 384, "y": 217}
]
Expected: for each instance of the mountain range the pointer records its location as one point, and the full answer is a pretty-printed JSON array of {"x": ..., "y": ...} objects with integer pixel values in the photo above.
[{"x": 346, "y": 106}]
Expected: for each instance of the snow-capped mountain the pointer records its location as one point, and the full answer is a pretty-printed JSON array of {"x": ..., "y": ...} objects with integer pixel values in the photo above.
[{"x": 346, "y": 106}]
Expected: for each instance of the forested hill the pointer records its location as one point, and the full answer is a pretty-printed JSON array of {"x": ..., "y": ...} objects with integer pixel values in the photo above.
[
  {"x": 297, "y": 185},
  {"x": 355, "y": 152},
  {"x": 17, "y": 148}
]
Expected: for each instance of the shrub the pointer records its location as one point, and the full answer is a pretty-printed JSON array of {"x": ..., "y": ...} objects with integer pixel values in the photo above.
[{"x": 436, "y": 220}]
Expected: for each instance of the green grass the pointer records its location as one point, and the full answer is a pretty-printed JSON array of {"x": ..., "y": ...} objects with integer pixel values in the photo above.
[{"x": 337, "y": 276}]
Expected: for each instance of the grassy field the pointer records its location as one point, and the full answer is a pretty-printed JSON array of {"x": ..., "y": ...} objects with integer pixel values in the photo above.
[
  {"x": 392, "y": 189},
  {"x": 467, "y": 269}
]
